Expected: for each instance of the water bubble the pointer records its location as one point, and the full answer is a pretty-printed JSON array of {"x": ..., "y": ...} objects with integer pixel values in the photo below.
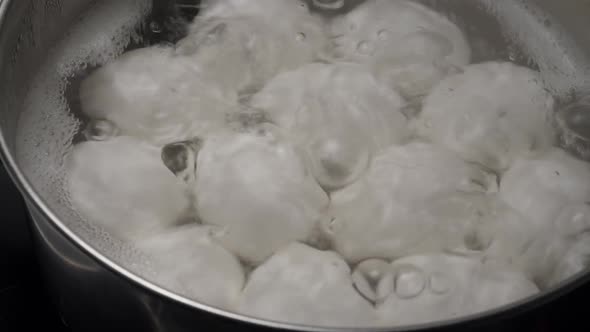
[
  {"x": 181, "y": 158},
  {"x": 409, "y": 282},
  {"x": 329, "y": 4},
  {"x": 155, "y": 27},
  {"x": 100, "y": 130},
  {"x": 300, "y": 37},
  {"x": 367, "y": 277},
  {"x": 365, "y": 47}
]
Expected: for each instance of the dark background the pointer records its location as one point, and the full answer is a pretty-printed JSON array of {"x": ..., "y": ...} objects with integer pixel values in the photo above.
[{"x": 25, "y": 305}]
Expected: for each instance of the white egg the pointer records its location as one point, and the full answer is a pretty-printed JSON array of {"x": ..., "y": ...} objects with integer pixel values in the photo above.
[
  {"x": 316, "y": 97},
  {"x": 243, "y": 45},
  {"x": 426, "y": 289},
  {"x": 187, "y": 260},
  {"x": 153, "y": 95},
  {"x": 256, "y": 185},
  {"x": 541, "y": 186},
  {"x": 123, "y": 185},
  {"x": 368, "y": 275},
  {"x": 338, "y": 113},
  {"x": 414, "y": 198},
  {"x": 410, "y": 46},
  {"x": 492, "y": 114},
  {"x": 546, "y": 254},
  {"x": 416, "y": 171},
  {"x": 498, "y": 234},
  {"x": 540, "y": 258},
  {"x": 302, "y": 285},
  {"x": 222, "y": 50},
  {"x": 550, "y": 190}
]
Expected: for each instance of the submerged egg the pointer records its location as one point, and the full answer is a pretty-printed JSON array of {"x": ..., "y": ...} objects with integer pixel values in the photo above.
[
  {"x": 410, "y": 47},
  {"x": 404, "y": 204},
  {"x": 302, "y": 285},
  {"x": 440, "y": 287},
  {"x": 394, "y": 26},
  {"x": 540, "y": 186},
  {"x": 152, "y": 95},
  {"x": 253, "y": 45},
  {"x": 339, "y": 114},
  {"x": 188, "y": 260},
  {"x": 492, "y": 114},
  {"x": 566, "y": 252},
  {"x": 257, "y": 186},
  {"x": 122, "y": 185},
  {"x": 574, "y": 261}
]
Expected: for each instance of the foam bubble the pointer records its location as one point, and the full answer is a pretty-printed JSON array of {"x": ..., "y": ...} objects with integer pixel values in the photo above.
[{"x": 47, "y": 126}]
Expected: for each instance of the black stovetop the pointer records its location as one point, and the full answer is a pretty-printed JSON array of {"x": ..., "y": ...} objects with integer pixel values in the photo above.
[{"x": 25, "y": 305}]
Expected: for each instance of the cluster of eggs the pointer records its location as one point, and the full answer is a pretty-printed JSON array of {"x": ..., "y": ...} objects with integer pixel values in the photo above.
[{"x": 274, "y": 139}]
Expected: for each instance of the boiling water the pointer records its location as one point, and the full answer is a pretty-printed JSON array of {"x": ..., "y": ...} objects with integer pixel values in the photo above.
[
  {"x": 488, "y": 40},
  {"x": 54, "y": 122}
]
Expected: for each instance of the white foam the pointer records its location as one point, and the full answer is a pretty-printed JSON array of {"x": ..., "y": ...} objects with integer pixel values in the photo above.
[{"x": 46, "y": 127}]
